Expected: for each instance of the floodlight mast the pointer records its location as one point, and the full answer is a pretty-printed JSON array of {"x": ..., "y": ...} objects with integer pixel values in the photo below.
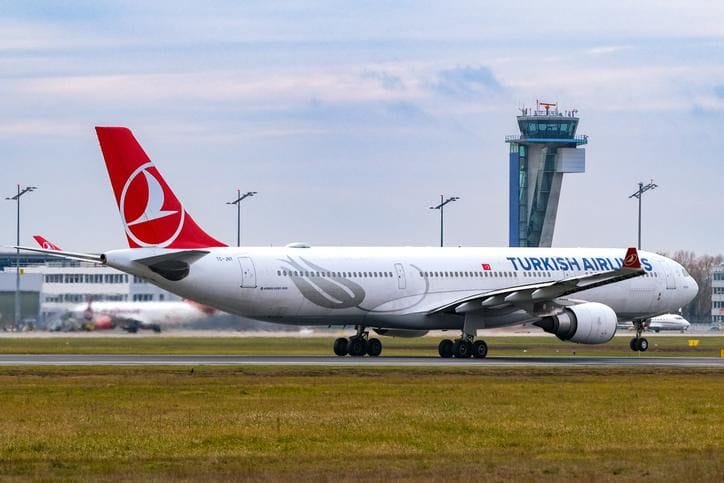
[
  {"x": 237, "y": 202},
  {"x": 441, "y": 207},
  {"x": 16, "y": 198},
  {"x": 638, "y": 194}
]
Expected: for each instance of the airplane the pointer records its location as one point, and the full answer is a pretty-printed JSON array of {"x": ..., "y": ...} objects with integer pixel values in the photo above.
[
  {"x": 130, "y": 316},
  {"x": 135, "y": 316},
  {"x": 663, "y": 322},
  {"x": 578, "y": 294}
]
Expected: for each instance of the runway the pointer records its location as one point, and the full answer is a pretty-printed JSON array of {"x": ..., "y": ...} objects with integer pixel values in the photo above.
[{"x": 225, "y": 360}]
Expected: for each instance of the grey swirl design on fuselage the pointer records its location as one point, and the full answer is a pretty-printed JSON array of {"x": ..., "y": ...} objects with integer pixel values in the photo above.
[
  {"x": 328, "y": 292},
  {"x": 408, "y": 307},
  {"x": 334, "y": 292}
]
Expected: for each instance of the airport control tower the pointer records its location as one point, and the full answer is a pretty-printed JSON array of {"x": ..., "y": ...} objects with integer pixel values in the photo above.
[{"x": 546, "y": 148}]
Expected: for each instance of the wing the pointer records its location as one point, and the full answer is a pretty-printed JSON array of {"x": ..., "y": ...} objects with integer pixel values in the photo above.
[{"x": 543, "y": 298}]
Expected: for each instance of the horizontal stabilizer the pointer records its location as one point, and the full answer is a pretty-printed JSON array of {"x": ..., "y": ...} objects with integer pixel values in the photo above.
[
  {"x": 187, "y": 256},
  {"x": 173, "y": 266},
  {"x": 85, "y": 257}
]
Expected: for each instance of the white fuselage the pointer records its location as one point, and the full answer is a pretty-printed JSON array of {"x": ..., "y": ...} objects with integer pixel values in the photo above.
[
  {"x": 397, "y": 287},
  {"x": 663, "y": 322},
  {"x": 669, "y": 322}
]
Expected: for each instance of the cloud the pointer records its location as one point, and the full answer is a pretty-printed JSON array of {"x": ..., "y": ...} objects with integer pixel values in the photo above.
[
  {"x": 604, "y": 50},
  {"x": 466, "y": 82},
  {"x": 719, "y": 90},
  {"x": 385, "y": 79}
]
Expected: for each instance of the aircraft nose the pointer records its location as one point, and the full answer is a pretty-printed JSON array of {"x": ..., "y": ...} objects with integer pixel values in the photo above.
[{"x": 693, "y": 289}]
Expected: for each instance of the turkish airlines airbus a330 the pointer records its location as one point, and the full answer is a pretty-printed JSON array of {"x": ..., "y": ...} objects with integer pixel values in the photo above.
[{"x": 578, "y": 294}]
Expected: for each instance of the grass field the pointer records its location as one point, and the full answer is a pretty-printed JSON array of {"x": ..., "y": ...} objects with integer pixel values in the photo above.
[
  {"x": 425, "y": 346},
  {"x": 655, "y": 424}
]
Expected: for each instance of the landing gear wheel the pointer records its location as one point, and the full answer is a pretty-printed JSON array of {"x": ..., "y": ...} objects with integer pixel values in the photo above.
[
  {"x": 357, "y": 346},
  {"x": 462, "y": 349},
  {"x": 643, "y": 344},
  {"x": 480, "y": 349},
  {"x": 340, "y": 346},
  {"x": 634, "y": 344},
  {"x": 445, "y": 348},
  {"x": 374, "y": 347}
]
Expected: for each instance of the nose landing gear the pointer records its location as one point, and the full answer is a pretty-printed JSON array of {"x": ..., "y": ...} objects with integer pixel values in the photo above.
[{"x": 638, "y": 343}]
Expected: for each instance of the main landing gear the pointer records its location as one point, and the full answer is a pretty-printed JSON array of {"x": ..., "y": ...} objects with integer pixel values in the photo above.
[
  {"x": 638, "y": 343},
  {"x": 463, "y": 348},
  {"x": 358, "y": 345}
]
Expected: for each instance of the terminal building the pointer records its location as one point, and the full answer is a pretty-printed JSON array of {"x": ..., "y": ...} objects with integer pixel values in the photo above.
[
  {"x": 717, "y": 296},
  {"x": 546, "y": 148}
]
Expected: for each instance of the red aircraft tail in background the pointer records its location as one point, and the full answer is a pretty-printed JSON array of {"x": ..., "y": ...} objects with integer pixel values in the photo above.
[{"x": 45, "y": 243}]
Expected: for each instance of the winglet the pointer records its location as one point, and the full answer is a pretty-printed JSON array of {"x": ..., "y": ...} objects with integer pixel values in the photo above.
[
  {"x": 48, "y": 245},
  {"x": 632, "y": 259}
]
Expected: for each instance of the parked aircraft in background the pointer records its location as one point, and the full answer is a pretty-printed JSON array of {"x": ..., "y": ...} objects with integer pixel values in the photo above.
[
  {"x": 135, "y": 316},
  {"x": 577, "y": 294},
  {"x": 662, "y": 322}
]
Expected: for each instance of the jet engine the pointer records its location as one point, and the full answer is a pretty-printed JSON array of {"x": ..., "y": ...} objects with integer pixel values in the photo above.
[
  {"x": 408, "y": 334},
  {"x": 589, "y": 323}
]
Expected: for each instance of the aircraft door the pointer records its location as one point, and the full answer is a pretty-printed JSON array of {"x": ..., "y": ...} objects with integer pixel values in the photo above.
[
  {"x": 248, "y": 273},
  {"x": 400, "y": 271}
]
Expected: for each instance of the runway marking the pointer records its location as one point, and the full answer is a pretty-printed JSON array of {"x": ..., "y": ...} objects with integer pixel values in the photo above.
[{"x": 225, "y": 360}]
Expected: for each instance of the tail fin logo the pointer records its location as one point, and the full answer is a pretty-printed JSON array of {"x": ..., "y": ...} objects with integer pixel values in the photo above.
[
  {"x": 632, "y": 259},
  {"x": 45, "y": 244},
  {"x": 151, "y": 213}
]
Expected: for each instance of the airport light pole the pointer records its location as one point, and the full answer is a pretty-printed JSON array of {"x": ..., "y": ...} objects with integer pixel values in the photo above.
[
  {"x": 237, "y": 202},
  {"x": 16, "y": 198},
  {"x": 441, "y": 207},
  {"x": 638, "y": 194}
]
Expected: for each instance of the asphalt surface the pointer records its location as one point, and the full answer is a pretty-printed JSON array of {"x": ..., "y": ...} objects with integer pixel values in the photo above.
[{"x": 223, "y": 360}]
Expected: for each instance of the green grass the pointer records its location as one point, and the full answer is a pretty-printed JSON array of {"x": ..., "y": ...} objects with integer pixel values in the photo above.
[
  {"x": 655, "y": 424},
  {"x": 425, "y": 346}
]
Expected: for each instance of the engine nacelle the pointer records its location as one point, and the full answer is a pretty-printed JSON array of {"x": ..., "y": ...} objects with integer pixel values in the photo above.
[
  {"x": 408, "y": 334},
  {"x": 589, "y": 323}
]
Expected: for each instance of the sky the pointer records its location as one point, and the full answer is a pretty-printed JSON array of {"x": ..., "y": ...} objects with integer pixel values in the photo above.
[{"x": 351, "y": 118}]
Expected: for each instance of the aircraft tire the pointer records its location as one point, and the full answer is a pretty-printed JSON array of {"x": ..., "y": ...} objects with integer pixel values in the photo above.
[
  {"x": 480, "y": 349},
  {"x": 634, "y": 345},
  {"x": 374, "y": 347},
  {"x": 643, "y": 344},
  {"x": 357, "y": 346},
  {"x": 340, "y": 346},
  {"x": 445, "y": 348},
  {"x": 462, "y": 349}
]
